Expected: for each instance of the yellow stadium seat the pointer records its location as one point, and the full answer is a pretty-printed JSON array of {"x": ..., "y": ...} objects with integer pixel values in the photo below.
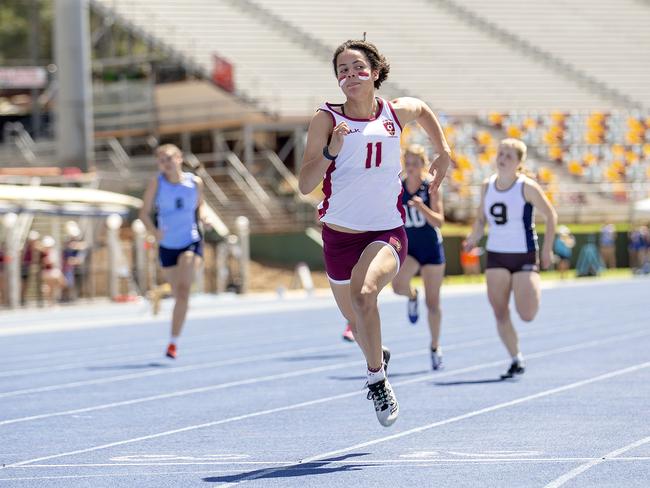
[
  {"x": 593, "y": 138},
  {"x": 514, "y": 131},
  {"x": 484, "y": 137},
  {"x": 555, "y": 152},
  {"x": 495, "y": 118},
  {"x": 558, "y": 117},
  {"x": 631, "y": 157},
  {"x": 633, "y": 138},
  {"x": 589, "y": 159},
  {"x": 457, "y": 176},
  {"x": 646, "y": 150},
  {"x": 575, "y": 168},
  {"x": 529, "y": 123}
]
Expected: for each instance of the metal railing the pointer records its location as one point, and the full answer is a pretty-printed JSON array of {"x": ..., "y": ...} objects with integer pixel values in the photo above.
[
  {"x": 233, "y": 160},
  {"x": 210, "y": 185},
  {"x": 119, "y": 157}
]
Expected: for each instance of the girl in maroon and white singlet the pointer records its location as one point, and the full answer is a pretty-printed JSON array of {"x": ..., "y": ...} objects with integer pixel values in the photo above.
[{"x": 354, "y": 150}]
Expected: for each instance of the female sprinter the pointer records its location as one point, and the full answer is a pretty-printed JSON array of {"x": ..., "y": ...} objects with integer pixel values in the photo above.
[
  {"x": 424, "y": 216},
  {"x": 507, "y": 202},
  {"x": 354, "y": 149},
  {"x": 177, "y": 198}
]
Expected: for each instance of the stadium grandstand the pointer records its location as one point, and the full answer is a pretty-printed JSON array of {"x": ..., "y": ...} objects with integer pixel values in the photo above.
[{"x": 234, "y": 84}]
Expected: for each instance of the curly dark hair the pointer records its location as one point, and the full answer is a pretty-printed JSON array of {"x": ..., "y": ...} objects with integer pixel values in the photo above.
[{"x": 377, "y": 60}]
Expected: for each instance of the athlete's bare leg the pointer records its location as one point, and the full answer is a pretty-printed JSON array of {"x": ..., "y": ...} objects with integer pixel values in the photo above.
[
  {"x": 499, "y": 286},
  {"x": 402, "y": 281},
  {"x": 181, "y": 277},
  {"x": 375, "y": 269},
  {"x": 526, "y": 287},
  {"x": 432, "y": 276},
  {"x": 344, "y": 301}
]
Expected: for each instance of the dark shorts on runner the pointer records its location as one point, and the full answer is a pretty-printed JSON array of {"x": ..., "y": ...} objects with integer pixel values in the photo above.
[
  {"x": 169, "y": 257},
  {"x": 342, "y": 250},
  {"x": 427, "y": 253},
  {"x": 514, "y": 262}
]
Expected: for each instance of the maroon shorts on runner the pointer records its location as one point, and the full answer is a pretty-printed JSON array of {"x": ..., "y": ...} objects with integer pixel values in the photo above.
[{"x": 342, "y": 250}]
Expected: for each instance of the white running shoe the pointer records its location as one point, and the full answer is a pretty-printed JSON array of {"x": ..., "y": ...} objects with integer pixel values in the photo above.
[
  {"x": 386, "y": 406},
  {"x": 436, "y": 359}
]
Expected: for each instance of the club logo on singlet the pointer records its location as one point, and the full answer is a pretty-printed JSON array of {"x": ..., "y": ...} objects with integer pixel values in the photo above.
[
  {"x": 389, "y": 126},
  {"x": 395, "y": 242}
]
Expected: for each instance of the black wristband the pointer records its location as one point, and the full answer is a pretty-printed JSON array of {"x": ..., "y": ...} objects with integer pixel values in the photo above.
[{"x": 327, "y": 155}]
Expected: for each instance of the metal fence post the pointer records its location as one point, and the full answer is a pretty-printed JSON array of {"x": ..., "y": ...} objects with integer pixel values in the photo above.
[
  {"x": 113, "y": 224},
  {"x": 243, "y": 231}
]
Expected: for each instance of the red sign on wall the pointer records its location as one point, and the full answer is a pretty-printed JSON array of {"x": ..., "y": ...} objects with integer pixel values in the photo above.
[{"x": 222, "y": 73}]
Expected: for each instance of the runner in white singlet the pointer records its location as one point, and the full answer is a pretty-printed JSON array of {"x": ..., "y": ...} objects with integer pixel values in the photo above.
[
  {"x": 354, "y": 149},
  {"x": 508, "y": 200}
]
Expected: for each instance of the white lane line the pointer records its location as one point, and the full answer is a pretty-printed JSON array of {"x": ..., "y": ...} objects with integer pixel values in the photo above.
[
  {"x": 595, "y": 462},
  {"x": 229, "y": 310},
  {"x": 187, "y": 346},
  {"x": 308, "y": 403},
  {"x": 178, "y": 369},
  {"x": 458, "y": 418},
  {"x": 380, "y": 463},
  {"x": 143, "y": 374},
  {"x": 112, "y": 475},
  {"x": 405, "y": 462},
  {"x": 308, "y": 371},
  {"x": 230, "y": 384},
  {"x": 145, "y": 342}
]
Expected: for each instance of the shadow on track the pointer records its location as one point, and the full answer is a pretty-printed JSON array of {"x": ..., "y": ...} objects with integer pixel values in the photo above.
[
  {"x": 295, "y": 470},
  {"x": 318, "y": 357},
  {"x": 390, "y": 376},
  {"x": 128, "y": 366},
  {"x": 471, "y": 382}
]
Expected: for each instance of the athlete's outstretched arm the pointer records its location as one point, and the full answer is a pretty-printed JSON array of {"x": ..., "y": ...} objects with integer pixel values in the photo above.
[
  {"x": 534, "y": 194},
  {"x": 147, "y": 206},
  {"x": 478, "y": 229},
  {"x": 314, "y": 164},
  {"x": 413, "y": 109}
]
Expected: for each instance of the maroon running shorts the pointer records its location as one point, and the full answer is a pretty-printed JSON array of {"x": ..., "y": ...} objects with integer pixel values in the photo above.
[{"x": 342, "y": 250}]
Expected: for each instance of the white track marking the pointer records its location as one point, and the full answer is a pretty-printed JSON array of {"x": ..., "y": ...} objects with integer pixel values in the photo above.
[
  {"x": 458, "y": 418},
  {"x": 90, "y": 362},
  {"x": 595, "y": 462},
  {"x": 308, "y": 371},
  {"x": 143, "y": 374},
  {"x": 229, "y": 309},
  {"x": 403, "y": 462},
  {"x": 493, "y": 408},
  {"x": 378, "y": 463},
  {"x": 317, "y": 401},
  {"x": 230, "y": 384},
  {"x": 179, "y": 369}
]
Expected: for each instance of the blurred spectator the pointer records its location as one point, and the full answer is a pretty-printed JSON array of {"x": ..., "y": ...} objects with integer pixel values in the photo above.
[
  {"x": 608, "y": 245},
  {"x": 589, "y": 262},
  {"x": 28, "y": 259},
  {"x": 563, "y": 249},
  {"x": 52, "y": 277},
  {"x": 2, "y": 274},
  {"x": 638, "y": 246},
  {"x": 470, "y": 261},
  {"x": 74, "y": 252}
]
